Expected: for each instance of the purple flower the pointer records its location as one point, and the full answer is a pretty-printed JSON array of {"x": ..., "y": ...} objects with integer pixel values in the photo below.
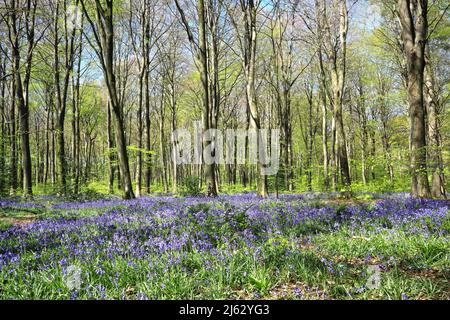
[
  {"x": 73, "y": 295},
  {"x": 298, "y": 292},
  {"x": 161, "y": 234}
]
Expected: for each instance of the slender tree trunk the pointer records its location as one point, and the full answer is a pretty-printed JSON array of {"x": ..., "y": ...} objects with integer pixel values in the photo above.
[
  {"x": 111, "y": 156},
  {"x": 334, "y": 157},
  {"x": 60, "y": 113},
  {"x": 12, "y": 141},
  {"x": 21, "y": 105},
  {"x": 62, "y": 92},
  {"x": 143, "y": 85},
  {"x": 47, "y": 137},
  {"x": 140, "y": 144},
  {"x": 249, "y": 65},
  {"x": 53, "y": 149},
  {"x": 364, "y": 140},
  {"x": 338, "y": 82},
  {"x": 76, "y": 118},
  {"x": 309, "y": 141},
  {"x": 336, "y": 51},
  {"x": 209, "y": 112},
  {"x": 38, "y": 152},
  {"x": 175, "y": 147},
  {"x": 105, "y": 42},
  {"x": 161, "y": 144},
  {"x": 74, "y": 137},
  {"x": 148, "y": 159},
  {"x": 323, "y": 95},
  {"x": 435, "y": 152},
  {"x": 3, "y": 135}
]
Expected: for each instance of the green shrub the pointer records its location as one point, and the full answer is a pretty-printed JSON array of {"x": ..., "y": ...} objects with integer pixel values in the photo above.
[
  {"x": 5, "y": 225},
  {"x": 190, "y": 186}
]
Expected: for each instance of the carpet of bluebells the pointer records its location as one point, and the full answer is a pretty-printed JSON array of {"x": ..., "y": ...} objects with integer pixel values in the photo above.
[{"x": 309, "y": 246}]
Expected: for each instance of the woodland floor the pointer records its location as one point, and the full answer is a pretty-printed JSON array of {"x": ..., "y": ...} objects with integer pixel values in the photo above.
[{"x": 300, "y": 246}]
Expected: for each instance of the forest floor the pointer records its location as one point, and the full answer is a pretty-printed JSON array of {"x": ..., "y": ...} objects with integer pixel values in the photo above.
[{"x": 305, "y": 246}]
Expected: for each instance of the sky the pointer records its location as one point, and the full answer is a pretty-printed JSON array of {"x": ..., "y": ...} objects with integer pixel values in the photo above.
[{"x": 363, "y": 16}]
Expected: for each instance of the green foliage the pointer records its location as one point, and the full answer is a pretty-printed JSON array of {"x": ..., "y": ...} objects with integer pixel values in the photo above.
[
  {"x": 190, "y": 186},
  {"x": 236, "y": 188},
  {"x": 97, "y": 187},
  {"x": 201, "y": 207},
  {"x": 88, "y": 194},
  {"x": 136, "y": 149},
  {"x": 5, "y": 225}
]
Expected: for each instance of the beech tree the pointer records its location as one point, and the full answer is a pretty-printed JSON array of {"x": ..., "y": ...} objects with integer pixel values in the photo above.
[
  {"x": 414, "y": 22},
  {"x": 18, "y": 11},
  {"x": 103, "y": 44},
  {"x": 91, "y": 91},
  {"x": 209, "y": 117}
]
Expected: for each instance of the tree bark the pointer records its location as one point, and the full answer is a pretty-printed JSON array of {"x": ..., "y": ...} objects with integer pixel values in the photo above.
[
  {"x": 21, "y": 92},
  {"x": 323, "y": 95},
  {"x": 413, "y": 18},
  {"x": 148, "y": 158},
  {"x": 12, "y": 140},
  {"x": 104, "y": 36},
  {"x": 111, "y": 156},
  {"x": 248, "y": 48},
  {"x": 3, "y": 135},
  {"x": 200, "y": 47},
  {"x": 338, "y": 83},
  {"x": 434, "y": 135},
  {"x": 76, "y": 104}
]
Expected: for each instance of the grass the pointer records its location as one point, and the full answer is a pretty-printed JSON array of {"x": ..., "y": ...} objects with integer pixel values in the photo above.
[{"x": 314, "y": 259}]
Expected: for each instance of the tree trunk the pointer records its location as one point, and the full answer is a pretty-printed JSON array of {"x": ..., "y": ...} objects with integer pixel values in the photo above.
[
  {"x": 434, "y": 136},
  {"x": 175, "y": 147},
  {"x": 12, "y": 141},
  {"x": 414, "y": 35},
  {"x": 249, "y": 65},
  {"x": 140, "y": 129},
  {"x": 105, "y": 42},
  {"x": 338, "y": 82},
  {"x": 161, "y": 144},
  {"x": 21, "y": 104},
  {"x": 111, "y": 156},
  {"x": 209, "y": 112},
  {"x": 3, "y": 121},
  {"x": 323, "y": 95},
  {"x": 76, "y": 101},
  {"x": 148, "y": 158},
  {"x": 210, "y": 169}
]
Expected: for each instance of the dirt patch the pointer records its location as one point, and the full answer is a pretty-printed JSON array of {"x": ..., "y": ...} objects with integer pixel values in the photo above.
[
  {"x": 19, "y": 221},
  {"x": 292, "y": 290},
  {"x": 434, "y": 274},
  {"x": 23, "y": 221}
]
